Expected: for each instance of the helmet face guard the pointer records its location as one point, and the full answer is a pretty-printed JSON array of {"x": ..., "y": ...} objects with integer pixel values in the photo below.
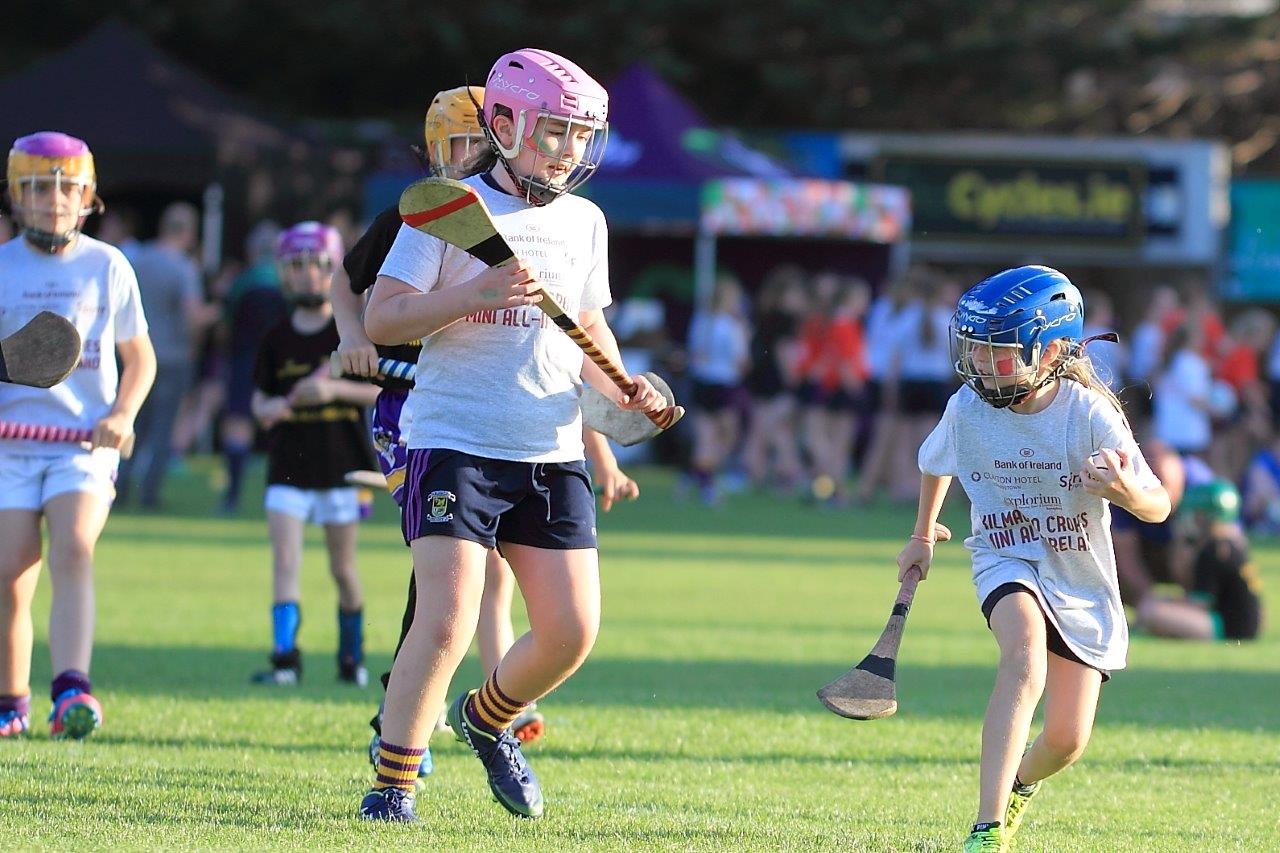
[
  {"x": 294, "y": 266},
  {"x": 43, "y": 166},
  {"x": 567, "y": 151},
  {"x": 301, "y": 248},
  {"x": 1004, "y": 367},
  {"x": 451, "y": 130}
]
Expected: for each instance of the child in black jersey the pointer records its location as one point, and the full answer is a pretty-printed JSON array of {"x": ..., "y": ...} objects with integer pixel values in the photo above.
[{"x": 316, "y": 434}]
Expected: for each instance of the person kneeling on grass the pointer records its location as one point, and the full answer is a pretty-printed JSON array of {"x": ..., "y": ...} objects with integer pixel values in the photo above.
[
  {"x": 1225, "y": 601},
  {"x": 316, "y": 434},
  {"x": 1034, "y": 417}
]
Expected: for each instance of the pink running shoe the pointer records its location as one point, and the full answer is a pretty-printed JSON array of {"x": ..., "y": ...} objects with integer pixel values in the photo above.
[
  {"x": 75, "y": 715},
  {"x": 13, "y": 723}
]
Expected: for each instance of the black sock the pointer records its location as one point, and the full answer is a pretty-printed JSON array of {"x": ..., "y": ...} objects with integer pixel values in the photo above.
[
  {"x": 236, "y": 456},
  {"x": 993, "y": 824}
]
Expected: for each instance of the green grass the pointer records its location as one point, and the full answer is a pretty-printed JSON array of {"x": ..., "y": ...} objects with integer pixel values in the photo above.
[{"x": 692, "y": 726}]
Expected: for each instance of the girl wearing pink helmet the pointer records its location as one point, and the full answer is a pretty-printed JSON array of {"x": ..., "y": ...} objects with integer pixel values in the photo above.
[
  {"x": 495, "y": 435},
  {"x": 315, "y": 428}
]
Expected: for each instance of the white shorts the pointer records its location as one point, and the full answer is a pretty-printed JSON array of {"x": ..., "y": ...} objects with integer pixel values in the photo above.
[
  {"x": 319, "y": 506},
  {"x": 29, "y": 481}
]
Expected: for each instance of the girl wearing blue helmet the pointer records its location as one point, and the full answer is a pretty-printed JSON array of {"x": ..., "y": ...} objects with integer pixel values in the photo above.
[{"x": 1042, "y": 448}]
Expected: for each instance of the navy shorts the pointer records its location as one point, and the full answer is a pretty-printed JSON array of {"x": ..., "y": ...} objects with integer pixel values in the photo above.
[
  {"x": 1053, "y": 639},
  {"x": 541, "y": 504}
]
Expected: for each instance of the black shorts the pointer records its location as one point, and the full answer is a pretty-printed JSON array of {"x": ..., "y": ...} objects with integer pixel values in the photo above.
[
  {"x": 923, "y": 397},
  {"x": 713, "y": 397},
  {"x": 1053, "y": 640},
  {"x": 837, "y": 401},
  {"x": 541, "y": 504}
]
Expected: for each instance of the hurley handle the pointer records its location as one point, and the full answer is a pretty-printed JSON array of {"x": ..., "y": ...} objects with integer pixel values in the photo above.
[
  {"x": 56, "y": 434},
  {"x": 662, "y": 419},
  {"x": 388, "y": 368}
]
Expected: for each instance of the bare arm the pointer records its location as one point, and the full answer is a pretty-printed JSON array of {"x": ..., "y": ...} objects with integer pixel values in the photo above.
[
  {"x": 613, "y": 485},
  {"x": 919, "y": 550},
  {"x": 359, "y": 358},
  {"x": 268, "y": 410},
  {"x": 398, "y": 312},
  {"x": 137, "y": 374},
  {"x": 645, "y": 399}
]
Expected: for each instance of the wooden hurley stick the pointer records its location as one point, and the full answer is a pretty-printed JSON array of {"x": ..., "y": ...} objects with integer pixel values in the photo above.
[{"x": 455, "y": 213}]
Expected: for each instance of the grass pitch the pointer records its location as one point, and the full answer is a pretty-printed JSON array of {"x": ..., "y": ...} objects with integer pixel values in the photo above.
[{"x": 692, "y": 727}]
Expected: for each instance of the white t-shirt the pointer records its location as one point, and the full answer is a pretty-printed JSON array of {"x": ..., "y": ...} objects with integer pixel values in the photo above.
[
  {"x": 505, "y": 384},
  {"x": 717, "y": 348},
  {"x": 1033, "y": 522},
  {"x": 93, "y": 286},
  {"x": 883, "y": 330},
  {"x": 918, "y": 360},
  {"x": 1177, "y": 420}
]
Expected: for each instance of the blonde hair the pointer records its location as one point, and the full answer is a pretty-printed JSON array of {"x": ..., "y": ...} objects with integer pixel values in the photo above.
[{"x": 1081, "y": 370}]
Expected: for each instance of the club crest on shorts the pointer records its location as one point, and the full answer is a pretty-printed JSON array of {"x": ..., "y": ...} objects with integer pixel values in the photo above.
[{"x": 438, "y": 503}]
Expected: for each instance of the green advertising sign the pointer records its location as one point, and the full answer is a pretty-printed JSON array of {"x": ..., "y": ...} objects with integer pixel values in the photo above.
[
  {"x": 1065, "y": 202},
  {"x": 1253, "y": 248}
]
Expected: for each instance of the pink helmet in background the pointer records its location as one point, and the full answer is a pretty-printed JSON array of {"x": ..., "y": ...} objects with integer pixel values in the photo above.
[
  {"x": 529, "y": 85},
  {"x": 309, "y": 240}
]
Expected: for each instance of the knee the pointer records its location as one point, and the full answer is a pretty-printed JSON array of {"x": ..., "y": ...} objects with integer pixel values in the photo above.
[
  {"x": 1065, "y": 742},
  {"x": 70, "y": 555},
  {"x": 570, "y": 642},
  {"x": 1023, "y": 660}
]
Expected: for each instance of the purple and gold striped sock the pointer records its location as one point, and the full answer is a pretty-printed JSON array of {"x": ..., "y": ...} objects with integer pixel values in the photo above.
[
  {"x": 491, "y": 709},
  {"x": 397, "y": 766}
]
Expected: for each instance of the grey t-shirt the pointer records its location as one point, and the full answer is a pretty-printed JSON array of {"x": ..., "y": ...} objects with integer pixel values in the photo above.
[
  {"x": 1033, "y": 522},
  {"x": 167, "y": 279},
  {"x": 505, "y": 384}
]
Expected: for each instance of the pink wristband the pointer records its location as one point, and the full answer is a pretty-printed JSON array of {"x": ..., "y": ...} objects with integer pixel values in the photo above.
[{"x": 919, "y": 538}]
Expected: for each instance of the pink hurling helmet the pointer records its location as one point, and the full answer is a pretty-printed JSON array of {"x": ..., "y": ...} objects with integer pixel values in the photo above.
[
  {"x": 559, "y": 113},
  {"x": 309, "y": 240}
]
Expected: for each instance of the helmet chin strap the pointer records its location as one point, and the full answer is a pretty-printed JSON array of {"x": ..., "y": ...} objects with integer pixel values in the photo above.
[{"x": 48, "y": 241}]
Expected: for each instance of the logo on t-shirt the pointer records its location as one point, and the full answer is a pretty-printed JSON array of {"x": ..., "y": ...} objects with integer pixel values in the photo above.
[{"x": 438, "y": 504}]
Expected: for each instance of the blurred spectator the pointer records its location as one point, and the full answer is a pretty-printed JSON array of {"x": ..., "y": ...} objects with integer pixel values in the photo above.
[
  {"x": 1261, "y": 492},
  {"x": 1146, "y": 352},
  {"x": 1110, "y": 359},
  {"x": 119, "y": 227},
  {"x": 926, "y": 374},
  {"x": 169, "y": 283},
  {"x": 253, "y": 306},
  {"x": 6, "y": 229},
  {"x": 772, "y": 443},
  {"x": 718, "y": 359},
  {"x": 1248, "y": 426},
  {"x": 884, "y": 330},
  {"x": 833, "y": 369},
  {"x": 1224, "y": 601},
  {"x": 1146, "y": 552},
  {"x": 1182, "y": 388}
]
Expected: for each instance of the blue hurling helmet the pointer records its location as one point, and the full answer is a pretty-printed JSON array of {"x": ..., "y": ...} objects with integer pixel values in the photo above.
[{"x": 1002, "y": 326}]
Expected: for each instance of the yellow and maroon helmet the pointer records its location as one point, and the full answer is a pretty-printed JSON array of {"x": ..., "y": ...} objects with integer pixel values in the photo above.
[
  {"x": 452, "y": 116},
  {"x": 51, "y": 157}
]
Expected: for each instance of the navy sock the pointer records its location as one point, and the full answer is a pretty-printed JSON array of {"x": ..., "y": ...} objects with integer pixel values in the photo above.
[
  {"x": 68, "y": 679},
  {"x": 286, "y": 617},
  {"x": 21, "y": 704},
  {"x": 350, "y": 635},
  {"x": 236, "y": 456}
]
